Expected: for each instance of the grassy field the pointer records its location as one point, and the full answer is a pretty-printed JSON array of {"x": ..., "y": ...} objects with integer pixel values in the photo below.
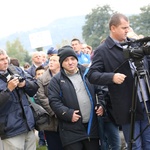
[{"x": 42, "y": 148}]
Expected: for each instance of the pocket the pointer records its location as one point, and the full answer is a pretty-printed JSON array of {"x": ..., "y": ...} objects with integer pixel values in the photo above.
[
  {"x": 14, "y": 120},
  {"x": 73, "y": 126}
]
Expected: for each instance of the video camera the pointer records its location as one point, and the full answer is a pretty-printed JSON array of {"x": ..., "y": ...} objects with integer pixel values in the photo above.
[{"x": 136, "y": 49}]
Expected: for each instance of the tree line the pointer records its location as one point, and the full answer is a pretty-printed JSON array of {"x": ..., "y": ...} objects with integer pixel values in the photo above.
[
  {"x": 96, "y": 25},
  {"x": 94, "y": 30}
]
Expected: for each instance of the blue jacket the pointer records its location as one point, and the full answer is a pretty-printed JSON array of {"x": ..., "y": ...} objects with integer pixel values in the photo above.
[
  {"x": 15, "y": 113},
  {"x": 63, "y": 101},
  {"x": 83, "y": 58}
]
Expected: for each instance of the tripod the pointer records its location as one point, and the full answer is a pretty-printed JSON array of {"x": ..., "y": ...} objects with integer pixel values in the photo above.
[{"x": 139, "y": 74}]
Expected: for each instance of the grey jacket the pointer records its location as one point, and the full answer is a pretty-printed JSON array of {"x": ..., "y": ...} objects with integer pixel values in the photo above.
[{"x": 42, "y": 98}]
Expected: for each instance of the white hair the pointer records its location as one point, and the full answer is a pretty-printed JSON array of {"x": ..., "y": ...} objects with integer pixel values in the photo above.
[{"x": 2, "y": 51}]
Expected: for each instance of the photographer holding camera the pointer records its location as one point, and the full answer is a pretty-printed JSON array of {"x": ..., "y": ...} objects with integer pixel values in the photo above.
[
  {"x": 109, "y": 67},
  {"x": 16, "y": 118}
]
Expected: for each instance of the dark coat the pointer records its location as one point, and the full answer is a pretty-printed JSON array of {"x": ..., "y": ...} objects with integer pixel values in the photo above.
[
  {"x": 63, "y": 101},
  {"x": 31, "y": 70},
  {"x": 15, "y": 113},
  {"x": 109, "y": 59}
]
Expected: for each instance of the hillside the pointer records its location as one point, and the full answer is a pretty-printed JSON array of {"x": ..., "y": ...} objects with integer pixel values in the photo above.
[{"x": 61, "y": 29}]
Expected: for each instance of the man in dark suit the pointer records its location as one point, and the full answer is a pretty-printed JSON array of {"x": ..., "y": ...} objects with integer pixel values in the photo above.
[
  {"x": 36, "y": 62},
  {"x": 109, "y": 67}
]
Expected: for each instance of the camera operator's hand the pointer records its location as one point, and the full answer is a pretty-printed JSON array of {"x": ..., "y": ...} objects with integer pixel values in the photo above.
[
  {"x": 22, "y": 84},
  {"x": 119, "y": 78},
  {"x": 12, "y": 84}
]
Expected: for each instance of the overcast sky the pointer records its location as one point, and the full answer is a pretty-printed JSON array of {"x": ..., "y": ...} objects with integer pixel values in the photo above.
[{"x": 20, "y": 15}]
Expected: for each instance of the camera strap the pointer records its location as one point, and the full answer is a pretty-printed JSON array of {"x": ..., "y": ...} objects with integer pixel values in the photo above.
[
  {"x": 120, "y": 66},
  {"x": 3, "y": 78}
]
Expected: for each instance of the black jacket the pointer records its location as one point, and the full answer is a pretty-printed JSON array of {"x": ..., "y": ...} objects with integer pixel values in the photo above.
[
  {"x": 63, "y": 101},
  {"x": 109, "y": 59},
  {"x": 31, "y": 70}
]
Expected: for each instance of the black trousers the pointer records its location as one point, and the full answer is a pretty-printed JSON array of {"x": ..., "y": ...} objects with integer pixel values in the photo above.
[
  {"x": 53, "y": 140},
  {"x": 92, "y": 144}
]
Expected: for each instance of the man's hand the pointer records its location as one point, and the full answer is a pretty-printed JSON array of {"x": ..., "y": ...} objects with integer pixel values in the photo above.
[
  {"x": 22, "y": 84},
  {"x": 75, "y": 116},
  {"x": 119, "y": 78},
  {"x": 12, "y": 84},
  {"x": 99, "y": 110}
]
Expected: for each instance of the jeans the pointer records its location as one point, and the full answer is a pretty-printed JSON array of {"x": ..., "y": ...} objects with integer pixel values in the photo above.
[
  {"x": 109, "y": 135},
  {"x": 41, "y": 138},
  {"x": 143, "y": 142}
]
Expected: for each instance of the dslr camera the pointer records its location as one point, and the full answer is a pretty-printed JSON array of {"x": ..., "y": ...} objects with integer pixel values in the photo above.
[{"x": 21, "y": 79}]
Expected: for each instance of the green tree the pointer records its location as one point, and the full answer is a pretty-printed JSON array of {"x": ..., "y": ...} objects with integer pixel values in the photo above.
[
  {"x": 96, "y": 25},
  {"x": 141, "y": 22},
  {"x": 63, "y": 42},
  {"x": 16, "y": 50}
]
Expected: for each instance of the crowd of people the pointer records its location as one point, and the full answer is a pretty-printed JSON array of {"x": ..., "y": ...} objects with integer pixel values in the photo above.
[{"x": 87, "y": 93}]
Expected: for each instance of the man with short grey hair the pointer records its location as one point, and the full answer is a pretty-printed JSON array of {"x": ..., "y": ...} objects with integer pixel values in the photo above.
[{"x": 16, "y": 117}]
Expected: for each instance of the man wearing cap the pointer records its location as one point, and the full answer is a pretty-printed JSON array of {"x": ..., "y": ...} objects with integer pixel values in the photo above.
[
  {"x": 51, "y": 52},
  {"x": 73, "y": 100}
]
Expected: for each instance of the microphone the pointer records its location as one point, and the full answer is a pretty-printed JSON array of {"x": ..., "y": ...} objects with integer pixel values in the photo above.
[{"x": 145, "y": 39}]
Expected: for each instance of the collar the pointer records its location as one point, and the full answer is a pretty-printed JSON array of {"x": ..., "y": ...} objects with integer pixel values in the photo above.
[
  {"x": 37, "y": 65},
  {"x": 3, "y": 72},
  {"x": 69, "y": 74},
  {"x": 117, "y": 42}
]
